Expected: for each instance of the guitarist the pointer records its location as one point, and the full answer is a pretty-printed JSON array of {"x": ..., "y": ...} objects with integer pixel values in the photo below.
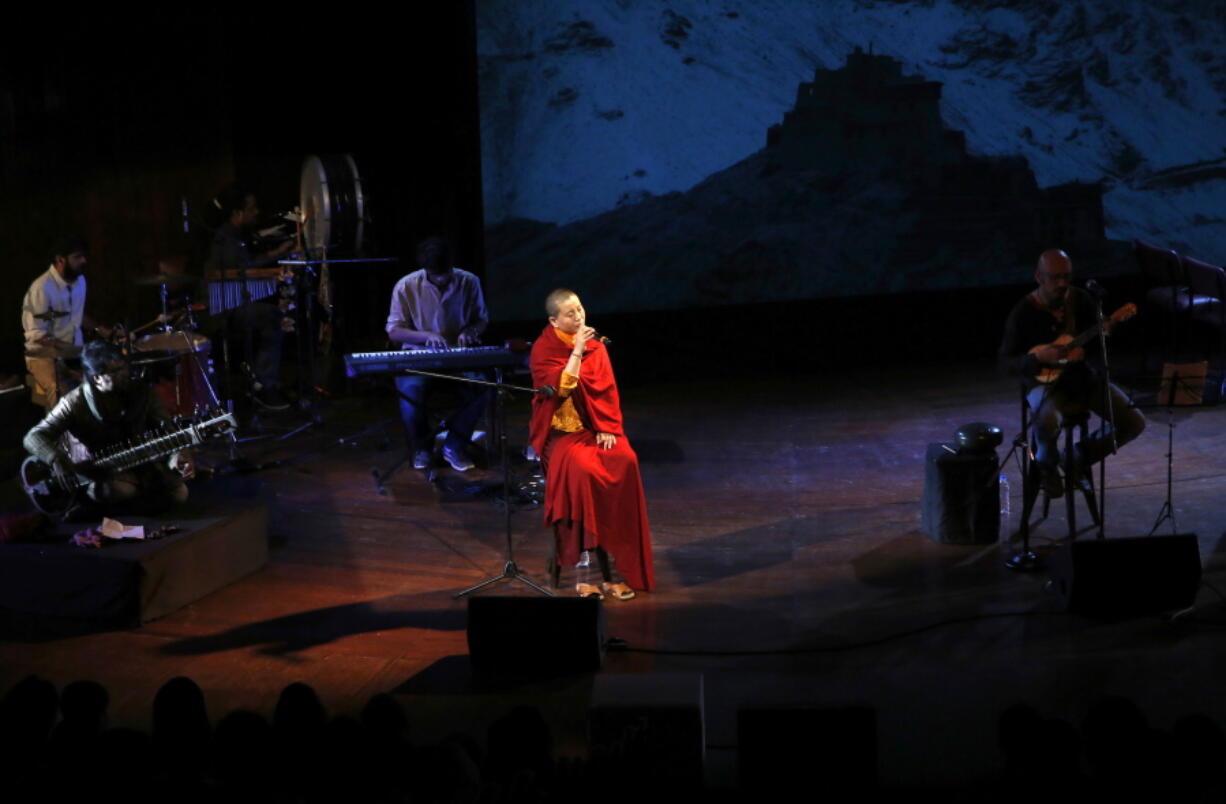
[
  {"x": 1054, "y": 309},
  {"x": 103, "y": 411}
]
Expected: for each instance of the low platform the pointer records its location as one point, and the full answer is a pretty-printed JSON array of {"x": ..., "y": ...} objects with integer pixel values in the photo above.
[{"x": 224, "y": 537}]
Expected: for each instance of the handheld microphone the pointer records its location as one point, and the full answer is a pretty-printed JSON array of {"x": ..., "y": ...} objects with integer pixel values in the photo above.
[
  {"x": 603, "y": 339},
  {"x": 1093, "y": 287}
]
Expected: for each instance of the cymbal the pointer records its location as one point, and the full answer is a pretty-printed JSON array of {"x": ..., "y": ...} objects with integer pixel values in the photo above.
[
  {"x": 165, "y": 279},
  {"x": 152, "y": 356}
]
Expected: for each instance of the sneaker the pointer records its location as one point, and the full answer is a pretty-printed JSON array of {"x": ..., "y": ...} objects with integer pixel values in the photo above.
[
  {"x": 421, "y": 459},
  {"x": 458, "y": 460},
  {"x": 270, "y": 399},
  {"x": 1084, "y": 481}
]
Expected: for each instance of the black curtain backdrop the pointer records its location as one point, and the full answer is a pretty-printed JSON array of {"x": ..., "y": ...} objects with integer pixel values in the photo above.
[{"x": 109, "y": 125}]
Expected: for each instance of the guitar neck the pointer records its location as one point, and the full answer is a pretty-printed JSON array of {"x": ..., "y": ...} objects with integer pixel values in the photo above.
[
  {"x": 151, "y": 450},
  {"x": 1085, "y": 337},
  {"x": 158, "y": 445}
]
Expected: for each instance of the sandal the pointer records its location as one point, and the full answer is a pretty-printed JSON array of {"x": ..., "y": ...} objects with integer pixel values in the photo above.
[
  {"x": 589, "y": 590},
  {"x": 618, "y": 591}
]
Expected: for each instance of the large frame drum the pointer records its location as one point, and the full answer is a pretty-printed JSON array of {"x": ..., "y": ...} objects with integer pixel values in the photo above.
[{"x": 333, "y": 206}]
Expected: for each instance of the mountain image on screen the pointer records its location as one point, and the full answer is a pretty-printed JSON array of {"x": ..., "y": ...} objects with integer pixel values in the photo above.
[{"x": 648, "y": 155}]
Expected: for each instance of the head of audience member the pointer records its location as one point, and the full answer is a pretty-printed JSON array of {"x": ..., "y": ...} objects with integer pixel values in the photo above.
[
  {"x": 1054, "y": 275},
  {"x": 385, "y": 718},
  {"x": 565, "y": 311},
  {"x": 70, "y": 256},
  {"x": 105, "y": 366},
  {"x": 299, "y": 711},
  {"x": 27, "y": 715},
  {"x": 84, "y": 704},
  {"x": 181, "y": 729},
  {"x": 435, "y": 255},
  {"x": 238, "y": 206}
]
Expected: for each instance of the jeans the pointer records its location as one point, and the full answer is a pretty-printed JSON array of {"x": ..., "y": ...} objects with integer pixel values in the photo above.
[
  {"x": 414, "y": 389},
  {"x": 1046, "y": 403}
]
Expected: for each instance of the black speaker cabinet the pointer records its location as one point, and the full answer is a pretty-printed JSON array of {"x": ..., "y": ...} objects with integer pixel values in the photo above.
[
  {"x": 961, "y": 496},
  {"x": 1129, "y": 576},
  {"x": 655, "y": 725},
  {"x": 535, "y": 637},
  {"x": 781, "y": 749}
]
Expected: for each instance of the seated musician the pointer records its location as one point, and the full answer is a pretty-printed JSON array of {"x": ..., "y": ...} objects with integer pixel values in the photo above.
[
  {"x": 105, "y": 410},
  {"x": 593, "y": 492},
  {"x": 1051, "y": 310},
  {"x": 53, "y": 317},
  {"x": 438, "y": 306},
  {"x": 255, "y": 327}
]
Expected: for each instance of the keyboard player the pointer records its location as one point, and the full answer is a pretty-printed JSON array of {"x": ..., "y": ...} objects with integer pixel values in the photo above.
[
  {"x": 256, "y": 325},
  {"x": 438, "y": 305}
]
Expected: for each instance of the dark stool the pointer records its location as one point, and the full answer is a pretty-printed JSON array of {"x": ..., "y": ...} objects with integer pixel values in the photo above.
[{"x": 1076, "y": 428}]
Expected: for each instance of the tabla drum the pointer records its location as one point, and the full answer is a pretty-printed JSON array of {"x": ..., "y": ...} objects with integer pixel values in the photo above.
[
  {"x": 332, "y": 204},
  {"x": 177, "y": 365}
]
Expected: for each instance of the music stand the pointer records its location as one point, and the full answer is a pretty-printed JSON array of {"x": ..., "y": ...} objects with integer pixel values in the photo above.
[{"x": 1188, "y": 389}]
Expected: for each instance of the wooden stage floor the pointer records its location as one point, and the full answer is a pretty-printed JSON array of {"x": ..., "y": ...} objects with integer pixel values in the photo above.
[{"x": 791, "y": 565}]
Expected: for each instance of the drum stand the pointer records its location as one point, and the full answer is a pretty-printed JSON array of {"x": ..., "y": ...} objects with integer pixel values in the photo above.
[{"x": 306, "y": 292}]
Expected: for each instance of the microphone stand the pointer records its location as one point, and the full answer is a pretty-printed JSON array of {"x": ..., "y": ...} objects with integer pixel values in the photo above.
[
  {"x": 1110, "y": 409},
  {"x": 510, "y": 570}
]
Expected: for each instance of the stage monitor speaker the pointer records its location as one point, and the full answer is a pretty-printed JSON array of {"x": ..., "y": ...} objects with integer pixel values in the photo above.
[
  {"x": 535, "y": 637},
  {"x": 655, "y": 725},
  {"x": 1128, "y": 576}
]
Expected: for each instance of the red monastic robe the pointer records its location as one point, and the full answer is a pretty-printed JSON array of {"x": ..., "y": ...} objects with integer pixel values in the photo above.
[{"x": 593, "y": 496}]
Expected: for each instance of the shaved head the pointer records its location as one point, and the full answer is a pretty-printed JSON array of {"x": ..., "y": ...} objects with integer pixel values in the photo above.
[
  {"x": 1054, "y": 276},
  {"x": 1054, "y": 259},
  {"x": 554, "y": 300}
]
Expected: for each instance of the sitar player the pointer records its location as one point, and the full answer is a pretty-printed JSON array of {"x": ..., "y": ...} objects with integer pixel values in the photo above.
[{"x": 106, "y": 409}]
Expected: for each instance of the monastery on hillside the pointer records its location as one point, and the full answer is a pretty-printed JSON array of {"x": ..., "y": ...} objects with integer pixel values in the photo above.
[{"x": 869, "y": 115}]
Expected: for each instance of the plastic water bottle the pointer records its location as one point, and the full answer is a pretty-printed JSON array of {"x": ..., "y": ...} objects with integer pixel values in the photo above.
[{"x": 1005, "y": 529}]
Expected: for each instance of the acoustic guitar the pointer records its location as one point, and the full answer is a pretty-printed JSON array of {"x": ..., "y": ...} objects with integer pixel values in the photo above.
[{"x": 1074, "y": 344}]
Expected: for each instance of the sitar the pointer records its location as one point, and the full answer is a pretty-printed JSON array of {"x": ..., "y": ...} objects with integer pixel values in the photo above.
[
  {"x": 54, "y": 495},
  {"x": 1074, "y": 344}
]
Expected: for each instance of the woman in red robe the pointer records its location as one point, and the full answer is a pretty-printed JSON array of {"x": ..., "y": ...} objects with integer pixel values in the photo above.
[{"x": 593, "y": 491}]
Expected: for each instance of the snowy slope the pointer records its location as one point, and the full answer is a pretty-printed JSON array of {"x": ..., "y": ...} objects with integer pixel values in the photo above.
[{"x": 588, "y": 104}]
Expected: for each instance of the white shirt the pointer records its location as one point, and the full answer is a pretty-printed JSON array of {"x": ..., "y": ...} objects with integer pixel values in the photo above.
[
  {"x": 418, "y": 305},
  {"x": 51, "y": 293}
]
